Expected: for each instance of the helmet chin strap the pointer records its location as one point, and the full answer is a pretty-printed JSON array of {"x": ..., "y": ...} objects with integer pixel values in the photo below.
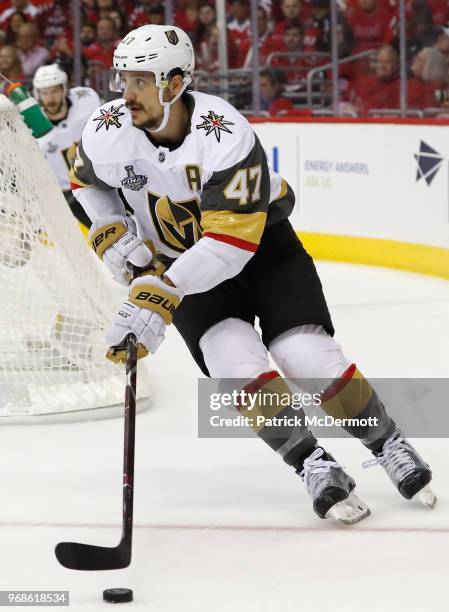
[{"x": 166, "y": 107}]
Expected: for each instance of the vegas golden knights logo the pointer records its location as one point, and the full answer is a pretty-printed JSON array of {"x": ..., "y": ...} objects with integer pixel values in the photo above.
[
  {"x": 177, "y": 223},
  {"x": 172, "y": 37}
]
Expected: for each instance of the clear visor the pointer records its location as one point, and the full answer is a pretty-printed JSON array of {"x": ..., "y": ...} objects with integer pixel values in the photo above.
[{"x": 121, "y": 81}]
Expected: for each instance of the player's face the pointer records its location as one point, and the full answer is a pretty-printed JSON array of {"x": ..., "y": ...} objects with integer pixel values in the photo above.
[
  {"x": 52, "y": 99},
  {"x": 142, "y": 99}
]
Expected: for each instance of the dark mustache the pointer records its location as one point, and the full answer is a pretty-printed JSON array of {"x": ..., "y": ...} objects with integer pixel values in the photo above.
[{"x": 130, "y": 105}]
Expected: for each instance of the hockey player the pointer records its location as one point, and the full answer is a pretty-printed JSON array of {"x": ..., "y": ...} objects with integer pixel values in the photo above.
[
  {"x": 68, "y": 110},
  {"x": 203, "y": 193}
]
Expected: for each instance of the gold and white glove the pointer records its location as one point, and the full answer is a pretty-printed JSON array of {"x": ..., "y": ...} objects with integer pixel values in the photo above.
[
  {"x": 150, "y": 308},
  {"x": 113, "y": 239}
]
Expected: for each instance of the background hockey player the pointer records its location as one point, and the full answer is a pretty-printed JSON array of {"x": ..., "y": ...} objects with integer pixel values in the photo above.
[
  {"x": 198, "y": 180},
  {"x": 68, "y": 110}
]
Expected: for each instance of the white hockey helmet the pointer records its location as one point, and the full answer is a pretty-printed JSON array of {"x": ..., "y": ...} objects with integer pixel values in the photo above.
[
  {"x": 159, "y": 49},
  {"x": 49, "y": 76}
]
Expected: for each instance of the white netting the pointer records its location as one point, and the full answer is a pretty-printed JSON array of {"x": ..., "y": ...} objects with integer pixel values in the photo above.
[{"x": 55, "y": 301}]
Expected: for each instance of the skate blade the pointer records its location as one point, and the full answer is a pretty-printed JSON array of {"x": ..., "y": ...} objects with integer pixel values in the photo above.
[
  {"x": 349, "y": 511},
  {"x": 427, "y": 497}
]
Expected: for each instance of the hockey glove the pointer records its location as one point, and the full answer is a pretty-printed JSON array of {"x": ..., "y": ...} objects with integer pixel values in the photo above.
[
  {"x": 146, "y": 314},
  {"x": 114, "y": 240}
]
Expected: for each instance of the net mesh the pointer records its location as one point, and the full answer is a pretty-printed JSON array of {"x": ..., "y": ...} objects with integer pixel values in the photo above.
[{"x": 55, "y": 300}]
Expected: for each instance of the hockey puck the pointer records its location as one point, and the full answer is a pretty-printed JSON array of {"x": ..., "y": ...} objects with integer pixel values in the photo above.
[{"x": 118, "y": 595}]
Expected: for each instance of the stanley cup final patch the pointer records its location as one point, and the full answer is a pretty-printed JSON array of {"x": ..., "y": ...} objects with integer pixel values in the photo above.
[
  {"x": 214, "y": 124},
  {"x": 134, "y": 181}
]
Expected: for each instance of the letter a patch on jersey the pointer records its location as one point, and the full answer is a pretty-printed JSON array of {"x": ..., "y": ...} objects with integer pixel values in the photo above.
[{"x": 214, "y": 124}]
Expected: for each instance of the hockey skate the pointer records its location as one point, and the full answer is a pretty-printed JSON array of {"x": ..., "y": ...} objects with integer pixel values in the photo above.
[
  {"x": 409, "y": 473},
  {"x": 332, "y": 490}
]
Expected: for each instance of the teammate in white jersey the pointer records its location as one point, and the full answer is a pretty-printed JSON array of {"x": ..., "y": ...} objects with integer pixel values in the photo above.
[
  {"x": 204, "y": 195},
  {"x": 68, "y": 110}
]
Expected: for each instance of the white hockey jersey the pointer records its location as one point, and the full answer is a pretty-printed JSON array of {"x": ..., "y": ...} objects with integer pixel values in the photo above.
[
  {"x": 206, "y": 199},
  {"x": 59, "y": 145}
]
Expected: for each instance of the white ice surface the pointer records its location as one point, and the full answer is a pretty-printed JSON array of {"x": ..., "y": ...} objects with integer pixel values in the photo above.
[{"x": 223, "y": 525}]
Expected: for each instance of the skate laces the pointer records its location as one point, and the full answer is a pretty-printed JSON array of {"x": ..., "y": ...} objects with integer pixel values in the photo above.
[
  {"x": 316, "y": 469},
  {"x": 395, "y": 458}
]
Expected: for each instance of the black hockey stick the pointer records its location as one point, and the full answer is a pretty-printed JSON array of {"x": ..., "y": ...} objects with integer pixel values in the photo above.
[{"x": 92, "y": 558}]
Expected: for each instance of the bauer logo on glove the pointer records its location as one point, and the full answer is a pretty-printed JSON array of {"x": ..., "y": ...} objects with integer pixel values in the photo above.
[
  {"x": 152, "y": 293},
  {"x": 156, "y": 299},
  {"x": 106, "y": 236},
  {"x": 114, "y": 240},
  {"x": 148, "y": 311}
]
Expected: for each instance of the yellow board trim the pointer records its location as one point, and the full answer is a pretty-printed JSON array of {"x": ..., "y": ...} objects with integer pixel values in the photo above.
[{"x": 420, "y": 258}]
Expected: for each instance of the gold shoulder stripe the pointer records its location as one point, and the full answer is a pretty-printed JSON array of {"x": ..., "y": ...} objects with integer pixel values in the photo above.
[{"x": 244, "y": 226}]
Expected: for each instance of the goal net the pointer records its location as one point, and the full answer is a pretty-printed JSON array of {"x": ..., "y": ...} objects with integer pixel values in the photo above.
[{"x": 56, "y": 301}]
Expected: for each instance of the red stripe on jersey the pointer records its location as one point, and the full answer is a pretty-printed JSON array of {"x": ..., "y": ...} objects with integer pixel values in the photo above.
[
  {"x": 237, "y": 242},
  {"x": 255, "y": 385},
  {"x": 260, "y": 381},
  {"x": 339, "y": 384},
  {"x": 74, "y": 186}
]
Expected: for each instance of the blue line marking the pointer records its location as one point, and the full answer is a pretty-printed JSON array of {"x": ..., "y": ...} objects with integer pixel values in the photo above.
[{"x": 276, "y": 159}]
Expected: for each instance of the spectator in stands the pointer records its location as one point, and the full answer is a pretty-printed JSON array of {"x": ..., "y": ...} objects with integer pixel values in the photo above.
[
  {"x": 207, "y": 52},
  {"x": 187, "y": 17},
  {"x": 239, "y": 28},
  {"x": 240, "y": 13},
  {"x": 379, "y": 90},
  {"x": 10, "y": 64},
  {"x": 145, "y": 12},
  {"x": 101, "y": 52},
  {"x": 32, "y": 54},
  {"x": 272, "y": 82},
  {"x": 246, "y": 48},
  {"x": 156, "y": 14},
  {"x": 440, "y": 11},
  {"x": 441, "y": 41},
  {"x": 56, "y": 22},
  {"x": 294, "y": 13},
  {"x": 206, "y": 20},
  {"x": 430, "y": 72},
  {"x": 295, "y": 66},
  {"x": 317, "y": 28},
  {"x": 12, "y": 26},
  {"x": 62, "y": 50},
  {"x": 23, "y": 6},
  {"x": 372, "y": 24},
  {"x": 121, "y": 23},
  {"x": 105, "y": 7},
  {"x": 88, "y": 34},
  {"x": 88, "y": 11},
  {"x": 345, "y": 37},
  {"x": 419, "y": 24}
]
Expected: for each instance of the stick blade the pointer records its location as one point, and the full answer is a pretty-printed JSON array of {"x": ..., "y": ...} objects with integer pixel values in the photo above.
[{"x": 92, "y": 558}]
